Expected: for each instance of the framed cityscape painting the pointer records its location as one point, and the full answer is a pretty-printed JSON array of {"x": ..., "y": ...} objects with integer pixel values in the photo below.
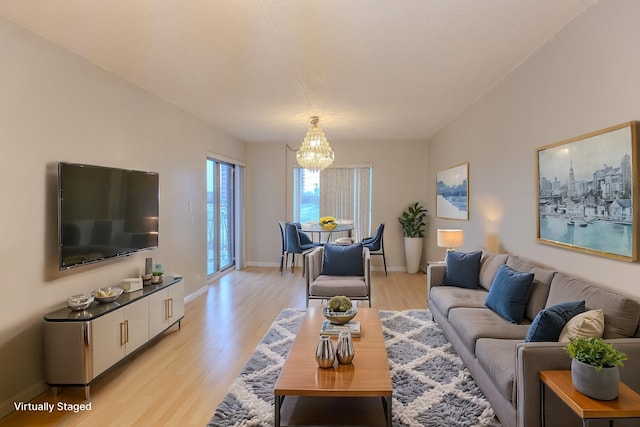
[
  {"x": 452, "y": 192},
  {"x": 588, "y": 193}
]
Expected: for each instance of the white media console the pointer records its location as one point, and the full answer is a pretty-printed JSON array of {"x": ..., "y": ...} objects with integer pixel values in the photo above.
[{"x": 81, "y": 345}]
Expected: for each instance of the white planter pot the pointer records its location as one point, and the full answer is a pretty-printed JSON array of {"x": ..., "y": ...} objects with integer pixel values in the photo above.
[{"x": 413, "y": 253}]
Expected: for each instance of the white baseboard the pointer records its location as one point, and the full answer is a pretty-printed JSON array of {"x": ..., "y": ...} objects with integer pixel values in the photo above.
[
  {"x": 262, "y": 264},
  {"x": 26, "y": 395},
  {"x": 203, "y": 290},
  {"x": 273, "y": 264}
]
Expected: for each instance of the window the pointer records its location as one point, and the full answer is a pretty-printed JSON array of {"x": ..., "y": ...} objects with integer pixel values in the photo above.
[
  {"x": 307, "y": 188},
  {"x": 342, "y": 192}
]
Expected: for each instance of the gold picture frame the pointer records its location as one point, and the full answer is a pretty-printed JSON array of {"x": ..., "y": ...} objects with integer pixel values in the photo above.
[
  {"x": 587, "y": 193},
  {"x": 452, "y": 192}
]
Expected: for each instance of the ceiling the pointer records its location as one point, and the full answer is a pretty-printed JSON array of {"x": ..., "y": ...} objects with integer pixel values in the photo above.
[{"x": 257, "y": 69}]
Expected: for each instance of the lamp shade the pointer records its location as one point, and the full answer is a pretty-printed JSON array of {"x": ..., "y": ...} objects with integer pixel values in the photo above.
[{"x": 450, "y": 238}]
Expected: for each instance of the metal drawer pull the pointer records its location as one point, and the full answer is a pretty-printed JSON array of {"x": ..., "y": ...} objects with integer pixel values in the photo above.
[{"x": 122, "y": 333}]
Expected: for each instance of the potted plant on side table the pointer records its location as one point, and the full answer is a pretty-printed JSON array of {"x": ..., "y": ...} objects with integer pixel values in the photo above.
[
  {"x": 594, "y": 367},
  {"x": 413, "y": 221}
]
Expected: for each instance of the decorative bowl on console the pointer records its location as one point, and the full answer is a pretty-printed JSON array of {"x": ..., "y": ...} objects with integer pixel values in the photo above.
[
  {"x": 105, "y": 295},
  {"x": 79, "y": 302},
  {"x": 339, "y": 317}
]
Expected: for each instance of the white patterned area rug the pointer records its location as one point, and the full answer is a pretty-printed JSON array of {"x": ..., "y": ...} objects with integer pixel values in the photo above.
[{"x": 431, "y": 386}]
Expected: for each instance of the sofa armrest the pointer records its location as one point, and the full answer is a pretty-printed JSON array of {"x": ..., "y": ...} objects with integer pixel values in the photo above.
[
  {"x": 366, "y": 257},
  {"x": 531, "y": 358},
  {"x": 435, "y": 274},
  {"x": 313, "y": 266}
]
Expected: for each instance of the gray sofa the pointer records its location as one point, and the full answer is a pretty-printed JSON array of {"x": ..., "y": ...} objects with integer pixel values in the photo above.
[{"x": 495, "y": 352}]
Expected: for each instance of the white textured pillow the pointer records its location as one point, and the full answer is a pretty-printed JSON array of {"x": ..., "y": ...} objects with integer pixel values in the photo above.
[{"x": 589, "y": 324}]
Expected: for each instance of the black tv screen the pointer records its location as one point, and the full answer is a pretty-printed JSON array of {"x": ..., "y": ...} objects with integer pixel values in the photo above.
[{"x": 105, "y": 213}]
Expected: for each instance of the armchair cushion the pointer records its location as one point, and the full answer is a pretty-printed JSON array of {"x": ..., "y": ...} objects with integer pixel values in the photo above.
[
  {"x": 330, "y": 286},
  {"x": 342, "y": 260}
]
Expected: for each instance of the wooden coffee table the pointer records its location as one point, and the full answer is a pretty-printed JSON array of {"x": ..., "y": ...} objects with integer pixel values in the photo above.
[{"x": 368, "y": 376}]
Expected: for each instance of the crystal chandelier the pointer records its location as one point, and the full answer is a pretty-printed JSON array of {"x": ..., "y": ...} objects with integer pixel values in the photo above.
[{"x": 315, "y": 152}]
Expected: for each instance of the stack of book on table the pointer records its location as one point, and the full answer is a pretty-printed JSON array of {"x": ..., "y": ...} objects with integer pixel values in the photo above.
[{"x": 329, "y": 328}]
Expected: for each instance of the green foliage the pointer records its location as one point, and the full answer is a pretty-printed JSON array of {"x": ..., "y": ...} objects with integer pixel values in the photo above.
[
  {"x": 413, "y": 220},
  {"x": 595, "y": 352},
  {"x": 339, "y": 303}
]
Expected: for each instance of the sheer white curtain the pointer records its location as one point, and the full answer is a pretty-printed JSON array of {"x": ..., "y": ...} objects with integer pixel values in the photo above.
[{"x": 345, "y": 193}]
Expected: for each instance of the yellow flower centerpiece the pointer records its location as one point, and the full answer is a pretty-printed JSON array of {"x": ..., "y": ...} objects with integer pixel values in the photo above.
[{"x": 328, "y": 222}]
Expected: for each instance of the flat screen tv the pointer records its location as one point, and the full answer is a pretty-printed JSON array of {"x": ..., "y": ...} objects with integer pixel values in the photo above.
[{"x": 105, "y": 213}]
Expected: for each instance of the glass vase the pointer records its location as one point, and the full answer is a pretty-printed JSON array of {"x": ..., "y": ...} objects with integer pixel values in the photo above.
[{"x": 325, "y": 354}]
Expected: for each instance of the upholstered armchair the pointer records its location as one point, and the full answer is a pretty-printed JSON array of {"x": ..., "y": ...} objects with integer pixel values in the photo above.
[{"x": 338, "y": 270}]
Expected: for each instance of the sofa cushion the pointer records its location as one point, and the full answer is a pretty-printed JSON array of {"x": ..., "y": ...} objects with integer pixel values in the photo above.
[
  {"x": 473, "y": 323},
  {"x": 489, "y": 267},
  {"x": 330, "y": 286},
  {"x": 589, "y": 324},
  {"x": 509, "y": 293},
  {"x": 549, "y": 322},
  {"x": 463, "y": 269},
  {"x": 498, "y": 359},
  {"x": 342, "y": 260},
  {"x": 540, "y": 286},
  {"x": 539, "y": 291},
  {"x": 621, "y": 313},
  {"x": 445, "y": 298},
  {"x": 519, "y": 264}
]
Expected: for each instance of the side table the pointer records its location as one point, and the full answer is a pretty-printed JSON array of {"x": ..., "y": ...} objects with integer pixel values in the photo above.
[{"x": 627, "y": 405}]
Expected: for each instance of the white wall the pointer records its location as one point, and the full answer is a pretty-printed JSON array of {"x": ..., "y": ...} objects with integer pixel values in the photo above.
[
  {"x": 583, "y": 80},
  {"x": 56, "y": 107},
  {"x": 399, "y": 179}
]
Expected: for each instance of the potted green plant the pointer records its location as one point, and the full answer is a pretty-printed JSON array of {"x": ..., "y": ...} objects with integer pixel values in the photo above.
[
  {"x": 413, "y": 222},
  {"x": 594, "y": 367}
]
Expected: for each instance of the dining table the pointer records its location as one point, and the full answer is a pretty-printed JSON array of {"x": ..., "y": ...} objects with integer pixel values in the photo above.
[{"x": 316, "y": 228}]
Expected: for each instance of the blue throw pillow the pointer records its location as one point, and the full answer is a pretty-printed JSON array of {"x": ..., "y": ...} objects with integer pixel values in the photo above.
[
  {"x": 463, "y": 269},
  {"x": 342, "y": 260},
  {"x": 549, "y": 322},
  {"x": 509, "y": 293}
]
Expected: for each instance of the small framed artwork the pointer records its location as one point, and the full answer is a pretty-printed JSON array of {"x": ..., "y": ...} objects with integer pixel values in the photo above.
[
  {"x": 587, "y": 196},
  {"x": 452, "y": 192}
]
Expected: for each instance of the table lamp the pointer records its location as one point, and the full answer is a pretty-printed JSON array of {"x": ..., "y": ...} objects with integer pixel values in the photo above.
[{"x": 450, "y": 239}]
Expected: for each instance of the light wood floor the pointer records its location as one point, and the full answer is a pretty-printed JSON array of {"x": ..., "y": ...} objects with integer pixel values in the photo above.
[{"x": 179, "y": 379}]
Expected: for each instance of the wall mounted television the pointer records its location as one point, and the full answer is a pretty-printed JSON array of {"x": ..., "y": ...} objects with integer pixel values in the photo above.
[{"x": 105, "y": 213}]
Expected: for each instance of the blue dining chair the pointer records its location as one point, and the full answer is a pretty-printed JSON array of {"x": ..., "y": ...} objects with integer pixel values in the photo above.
[
  {"x": 283, "y": 244},
  {"x": 375, "y": 245},
  {"x": 297, "y": 242}
]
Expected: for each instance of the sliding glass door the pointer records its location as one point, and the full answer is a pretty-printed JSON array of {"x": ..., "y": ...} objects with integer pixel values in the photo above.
[{"x": 220, "y": 216}]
